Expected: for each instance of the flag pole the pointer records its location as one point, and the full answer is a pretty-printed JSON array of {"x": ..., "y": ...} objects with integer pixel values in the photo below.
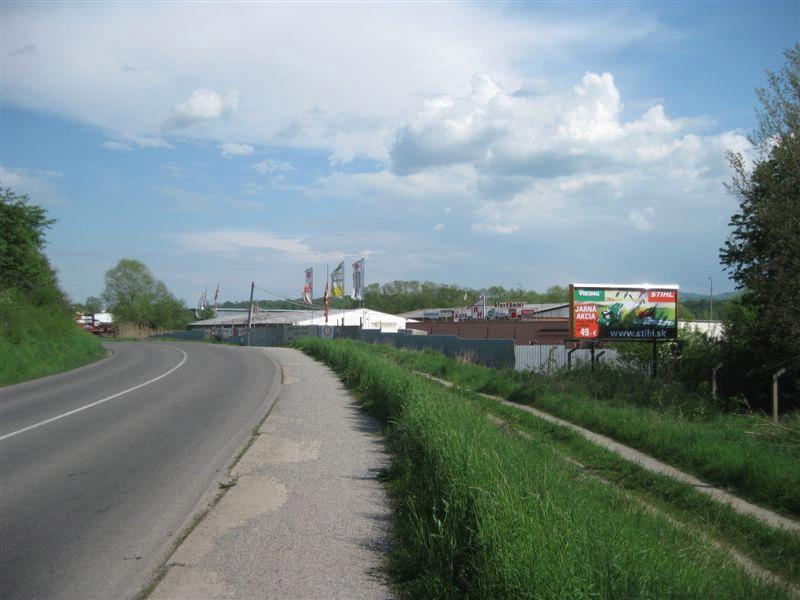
[{"x": 312, "y": 294}]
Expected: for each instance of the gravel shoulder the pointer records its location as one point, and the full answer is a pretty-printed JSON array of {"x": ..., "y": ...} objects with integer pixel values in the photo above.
[{"x": 307, "y": 517}]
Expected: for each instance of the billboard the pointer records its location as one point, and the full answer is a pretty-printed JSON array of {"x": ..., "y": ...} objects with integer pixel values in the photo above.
[{"x": 623, "y": 312}]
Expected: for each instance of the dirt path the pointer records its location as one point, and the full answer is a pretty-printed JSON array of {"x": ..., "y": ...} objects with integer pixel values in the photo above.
[{"x": 651, "y": 464}]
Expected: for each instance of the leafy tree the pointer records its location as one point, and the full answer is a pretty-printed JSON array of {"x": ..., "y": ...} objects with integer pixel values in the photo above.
[
  {"x": 761, "y": 252},
  {"x": 134, "y": 295},
  {"x": 23, "y": 263},
  {"x": 93, "y": 305},
  {"x": 207, "y": 313}
]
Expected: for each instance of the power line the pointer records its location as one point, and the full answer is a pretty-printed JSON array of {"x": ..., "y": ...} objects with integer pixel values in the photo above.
[{"x": 294, "y": 302}]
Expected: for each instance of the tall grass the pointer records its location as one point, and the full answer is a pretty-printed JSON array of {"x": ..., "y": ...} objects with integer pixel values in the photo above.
[
  {"x": 482, "y": 514},
  {"x": 742, "y": 452},
  {"x": 40, "y": 340}
]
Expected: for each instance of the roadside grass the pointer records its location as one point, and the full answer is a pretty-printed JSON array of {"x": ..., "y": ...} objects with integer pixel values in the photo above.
[
  {"x": 40, "y": 340},
  {"x": 775, "y": 549},
  {"x": 741, "y": 452},
  {"x": 480, "y": 513}
]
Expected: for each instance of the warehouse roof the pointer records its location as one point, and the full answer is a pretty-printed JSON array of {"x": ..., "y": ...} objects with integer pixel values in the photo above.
[
  {"x": 539, "y": 308},
  {"x": 364, "y": 317}
]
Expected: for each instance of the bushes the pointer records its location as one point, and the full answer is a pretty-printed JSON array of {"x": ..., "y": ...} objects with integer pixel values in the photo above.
[
  {"x": 483, "y": 514},
  {"x": 37, "y": 333},
  {"x": 40, "y": 340}
]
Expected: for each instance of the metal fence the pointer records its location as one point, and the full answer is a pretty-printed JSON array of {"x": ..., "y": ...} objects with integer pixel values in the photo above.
[
  {"x": 546, "y": 359},
  {"x": 190, "y": 335},
  {"x": 492, "y": 353}
]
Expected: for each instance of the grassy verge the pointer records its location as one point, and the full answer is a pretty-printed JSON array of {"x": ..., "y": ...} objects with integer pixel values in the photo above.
[
  {"x": 480, "y": 513},
  {"x": 37, "y": 341},
  {"x": 742, "y": 453},
  {"x": 776, "y": 550}
]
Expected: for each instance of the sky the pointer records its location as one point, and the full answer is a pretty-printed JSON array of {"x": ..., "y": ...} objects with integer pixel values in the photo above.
[{"x": 515, "y": 144}]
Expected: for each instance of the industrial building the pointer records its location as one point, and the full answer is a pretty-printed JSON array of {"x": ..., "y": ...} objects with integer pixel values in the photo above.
[
  {"x": 232, "y": 322},
  {"x": 545, "y": 324}
]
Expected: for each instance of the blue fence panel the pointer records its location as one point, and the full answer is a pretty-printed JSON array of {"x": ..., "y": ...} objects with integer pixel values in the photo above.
[
  {"x": 493, "y": 353},
  {"x": 190, "y": 335}
]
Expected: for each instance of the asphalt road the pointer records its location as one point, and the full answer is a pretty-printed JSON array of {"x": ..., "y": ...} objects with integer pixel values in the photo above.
[{"x": 95, "y": 486}]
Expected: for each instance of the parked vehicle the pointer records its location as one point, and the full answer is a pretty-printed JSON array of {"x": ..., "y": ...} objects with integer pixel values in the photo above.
[{"x": 100, "y": 324}]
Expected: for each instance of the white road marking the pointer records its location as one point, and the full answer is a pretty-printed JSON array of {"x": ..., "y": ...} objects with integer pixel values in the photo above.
[{"x": 117, "y": 395}]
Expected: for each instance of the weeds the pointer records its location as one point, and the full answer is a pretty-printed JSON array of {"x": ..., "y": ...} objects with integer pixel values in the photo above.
[
  {"x": 730, "y": 450},
  {"x": 40, "y": 340},
  {"x": 483, "y": 514}
]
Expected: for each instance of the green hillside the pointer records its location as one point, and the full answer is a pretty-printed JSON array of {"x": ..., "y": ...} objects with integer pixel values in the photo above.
[{"x": 37, "y": 333}]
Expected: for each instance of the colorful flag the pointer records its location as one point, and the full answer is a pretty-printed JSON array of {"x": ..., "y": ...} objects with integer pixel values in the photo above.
[
  {"x": 478, "y": 310},
  {"x": 202, "y": 302},
  {"x": 337, "y": 281},
  {"x": 326, "y": 303},
  {"x": 308, "y": 290},
  {"x": 358, "y": 280}
]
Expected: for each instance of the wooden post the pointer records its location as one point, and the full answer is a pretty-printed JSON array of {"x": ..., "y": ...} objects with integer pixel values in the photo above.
[
  {"x": 655, "y": 358},
  {"x": 714, "y": 380},
  {"x": 775, "y": 378}
]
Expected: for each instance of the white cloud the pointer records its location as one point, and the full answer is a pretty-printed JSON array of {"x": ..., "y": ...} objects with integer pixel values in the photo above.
[
  {"x": 324, "y": 76},
  {"x": 273, "y": 166},
  {"x": 560, "y": 157},
  {"x": 202, "y": 106},
  {"x": 245, "y": 242},
  {"x": 115, "y": 145},
  {"x": 177, "y": 171},
  {"x": 642, "y": 219},
  {"x": 185, "y": 200},
  {"x": 252, "y": 189},
  {"x": 498, "y": 228},
  {"x": 41, "y": 186},
  {"x": 130, "y": 141},
  {"x": 438, "y": 227},
  {"x": 230, "y": 150}
]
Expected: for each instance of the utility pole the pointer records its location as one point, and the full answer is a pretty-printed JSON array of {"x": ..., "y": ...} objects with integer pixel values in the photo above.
[
  {"x": 710, "y": 299},
  {"x": 250, "y": 311}
]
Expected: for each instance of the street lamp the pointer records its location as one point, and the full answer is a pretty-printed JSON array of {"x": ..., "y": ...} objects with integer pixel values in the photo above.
[{"x": 710, "y": 299}]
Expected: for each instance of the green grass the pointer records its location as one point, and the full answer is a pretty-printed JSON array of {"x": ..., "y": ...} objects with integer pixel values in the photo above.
[
  {"x": 480, "y": 513},
  {"x": 742, "y": 453},
  {"x": 37, "y": 341},
  {"x": 774, "y": 549}
]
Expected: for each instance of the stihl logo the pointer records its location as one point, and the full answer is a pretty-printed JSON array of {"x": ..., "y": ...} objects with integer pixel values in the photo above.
[{"x": 656, "y": 296}]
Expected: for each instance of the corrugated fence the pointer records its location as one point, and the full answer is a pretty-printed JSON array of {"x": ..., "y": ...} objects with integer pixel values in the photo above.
[
  {"x": 547, "y": 359},
  {"x": 494, "y": 353}
]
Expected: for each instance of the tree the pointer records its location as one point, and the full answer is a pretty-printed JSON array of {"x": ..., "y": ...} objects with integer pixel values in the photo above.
[
  {"x": 134, "y": 295},
  {"x": 761, "y": 253},
  {"x": 93, "y": 305},
  {"x": 23, "y": 263}
]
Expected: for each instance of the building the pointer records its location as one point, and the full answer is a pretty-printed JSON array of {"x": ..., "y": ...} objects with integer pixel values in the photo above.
[
  {"x": 544, "y": 324},
  {"x": 232, "y": 321},
  {"x": 522, "y": 312}
]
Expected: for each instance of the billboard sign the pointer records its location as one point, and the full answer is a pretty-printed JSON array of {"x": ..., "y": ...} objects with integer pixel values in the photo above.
[{"x": 623, "y": 312}]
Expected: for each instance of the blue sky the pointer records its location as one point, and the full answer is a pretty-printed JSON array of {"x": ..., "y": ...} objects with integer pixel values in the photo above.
[{"x": 478, "y": 144}]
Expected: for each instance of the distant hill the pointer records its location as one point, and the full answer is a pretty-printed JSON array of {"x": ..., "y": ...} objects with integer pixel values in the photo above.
[{"x": 696, "y": 296}]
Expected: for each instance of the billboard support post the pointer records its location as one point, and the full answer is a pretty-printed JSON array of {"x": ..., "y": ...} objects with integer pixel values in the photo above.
[
  {"x": 592, "y": 351},
  {"x": 569, "y": 359}
]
